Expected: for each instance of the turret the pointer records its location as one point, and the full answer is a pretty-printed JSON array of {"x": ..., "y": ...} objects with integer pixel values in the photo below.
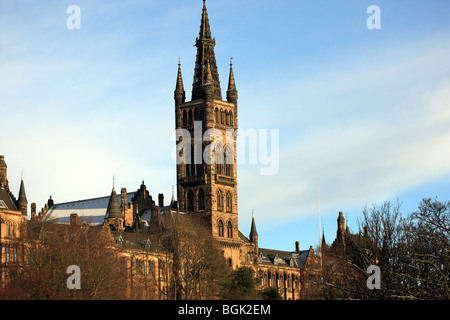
[{"x": 114, "y": 217}]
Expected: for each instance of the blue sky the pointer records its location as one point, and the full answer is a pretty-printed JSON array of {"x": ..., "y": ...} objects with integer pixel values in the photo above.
[{"x": 365, "y": 111}]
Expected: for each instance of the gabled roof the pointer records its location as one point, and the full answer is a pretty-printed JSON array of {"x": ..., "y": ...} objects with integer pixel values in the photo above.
[{"x": 92, "y": 211}]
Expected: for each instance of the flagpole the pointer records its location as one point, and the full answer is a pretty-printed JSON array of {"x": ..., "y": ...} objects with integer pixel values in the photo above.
[{"x": 320, "y": 228}]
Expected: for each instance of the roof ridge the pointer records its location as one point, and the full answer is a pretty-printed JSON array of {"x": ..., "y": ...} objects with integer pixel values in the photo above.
[{"x": 83, "y": 200}]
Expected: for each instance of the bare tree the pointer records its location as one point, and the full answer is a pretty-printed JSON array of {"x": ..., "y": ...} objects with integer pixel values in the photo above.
[
  {"x": 198, "y": 268},
  {"x": 412, "y": 253},
  {"x": 48, "y": 251}
]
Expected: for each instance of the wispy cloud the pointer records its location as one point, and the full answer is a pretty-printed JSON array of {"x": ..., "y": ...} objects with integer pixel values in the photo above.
[{"x": 368, "y": 134}]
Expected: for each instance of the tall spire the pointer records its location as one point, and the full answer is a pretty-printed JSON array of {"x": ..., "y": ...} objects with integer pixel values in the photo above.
[
  {"x": 253, "y": 233},
  {"x": 231, "y": 92},
  {"x": 205, "y": 30},
  {"x": 205, "y": 52},
  {"x": 113, "y": 210},
  {"x": 22, "y": 201},
  {"x": 179, "y": 94}
]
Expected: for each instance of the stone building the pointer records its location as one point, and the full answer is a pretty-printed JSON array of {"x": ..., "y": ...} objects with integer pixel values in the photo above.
[
  {"x": 204, "y": 188},
  {"x": 13, "y": 217}
]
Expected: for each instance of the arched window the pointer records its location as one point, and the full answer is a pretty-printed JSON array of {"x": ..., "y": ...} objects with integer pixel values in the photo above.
[
  {"x": 220, "y": 228},
  {"x": 219, "y": 200},
  {"x": 228, "y": 161},
  {"x": 229, "y": 229},
  {"x": 190, "y": 121},
  {"x": 190, "y": 200},
  {"x": 191, "y": 167},
  {"x": 231, "y": 118},
  {"x": 228, "y": 201},
  {"x": 219, "y": 157},
  {"x": 198, "y": 150},
  {"x": 195, "y": 114},
  {"x": 200, "y": 114},
  {"x": 201, "y": 199},
  {"x": 217, "y": 115},
  {"x": 184, "y": 118}
]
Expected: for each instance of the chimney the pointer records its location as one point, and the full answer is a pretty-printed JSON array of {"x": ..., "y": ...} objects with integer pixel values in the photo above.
[
  {"x": 3, "y": 173},
  {"x": 50, "y": 202},
  {"x": 160, "y": 200},
  {"x": 33, "y": 211},
  {"x": 297, "y": 246},
  {"x": 123, "y": 197},
  {"x": 73, "y": 219}
]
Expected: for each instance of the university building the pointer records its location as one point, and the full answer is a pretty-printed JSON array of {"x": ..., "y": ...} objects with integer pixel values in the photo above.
[{"x": 203, "y": 189}]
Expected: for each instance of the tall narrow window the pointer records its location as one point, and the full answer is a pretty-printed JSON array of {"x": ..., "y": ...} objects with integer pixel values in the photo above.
[
  {"x": 198, "y": 158},
  {"x": 220, "y": 228},
  {"x": 200, "y": 114},
  {"x": 219, "y": 200},
  {"x": 228, "y": 161},
  {"x": 190, "y": 200},
  {"x": 228, "y": 202},
  {"x": 217, "y": 115},
  {"x": 190, "y": 121},
  {"x": 201, "y": 199},
  {"x": 184, "y": 118},
  {"x": 230, "y": 229},
  {"x": 219, "y": 158}
]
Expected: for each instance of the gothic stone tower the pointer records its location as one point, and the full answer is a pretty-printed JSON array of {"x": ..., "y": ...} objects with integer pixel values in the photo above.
[{"x": 206, "y": 178}]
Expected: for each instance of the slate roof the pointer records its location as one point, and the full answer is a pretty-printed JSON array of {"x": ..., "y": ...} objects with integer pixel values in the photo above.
[
  {"x": 283, "y": 258},
  {"x": 92, "y": 211},
  {"x": 6, "y": 200}
]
